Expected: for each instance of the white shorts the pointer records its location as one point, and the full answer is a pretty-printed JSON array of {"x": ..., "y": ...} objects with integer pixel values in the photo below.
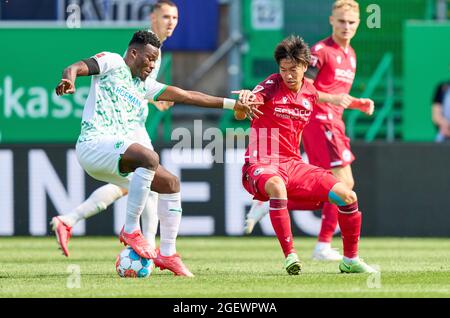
[
  {"x": 141, "y": 136},
  {"x": 100, "y": 157}
]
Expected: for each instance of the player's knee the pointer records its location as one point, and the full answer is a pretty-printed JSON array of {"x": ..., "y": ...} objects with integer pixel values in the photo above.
[
  {"x": 150, "y": 160},
  {"x": 342, "y": 195},
  {"x": 275, "y": 187},
  {"x": 351, "y": 197},
  {"x": 347, "y": 197}
]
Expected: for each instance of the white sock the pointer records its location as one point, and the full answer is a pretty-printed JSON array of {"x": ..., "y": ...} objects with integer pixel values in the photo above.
[
  {"x": 322, "y": 246},
  {"x": 150, "y": 218},
  {"x": 349, "y": 260},
  {"x": 137, "y": 197},
  {"x": 97, "y": 202},
  {"x": 169, "y": 213}
]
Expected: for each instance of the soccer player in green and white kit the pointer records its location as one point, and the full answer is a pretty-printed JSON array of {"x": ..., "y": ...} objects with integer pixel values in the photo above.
[
  {"x": 164, "y": 19},
  {"x": 108, "y": 149}
]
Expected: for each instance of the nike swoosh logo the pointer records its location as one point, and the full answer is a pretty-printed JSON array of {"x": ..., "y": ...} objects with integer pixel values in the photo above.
[
  {"x": 346, "y": 266},
  {"x": 176, "y": 210}
]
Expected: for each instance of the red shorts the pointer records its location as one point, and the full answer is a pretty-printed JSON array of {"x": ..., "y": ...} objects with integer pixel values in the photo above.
[
  {"x": 326, "y": 144},
  {"x": 307, "y": 185}
]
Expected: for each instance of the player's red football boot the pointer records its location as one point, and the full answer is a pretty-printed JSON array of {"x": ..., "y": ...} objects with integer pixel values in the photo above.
[
  {"x": 63, "y": 234},
  {"x": 172, "y": 263},
  {"x": 138, "y": 243}
]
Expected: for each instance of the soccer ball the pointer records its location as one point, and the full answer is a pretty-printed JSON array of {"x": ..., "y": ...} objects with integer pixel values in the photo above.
[{"x": 130, "y": 264}]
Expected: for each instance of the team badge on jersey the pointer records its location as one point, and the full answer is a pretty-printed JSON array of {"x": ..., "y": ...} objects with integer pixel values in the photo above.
[
  {"x": 258, "y": 171},
  {"x": 285, "y": 100},
  {"x": 306, "y": 104},
  {"x": 339, "y": 59},
  {"x": 329, "y": 135},
  {"x": 119, "y": 144},
  {"x": 257, "y": 89}
]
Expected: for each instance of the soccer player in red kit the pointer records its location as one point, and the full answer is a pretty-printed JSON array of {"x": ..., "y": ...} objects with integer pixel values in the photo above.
[
  {"x": 332, "y": 70},
  {"x": 274, "y": 169}
]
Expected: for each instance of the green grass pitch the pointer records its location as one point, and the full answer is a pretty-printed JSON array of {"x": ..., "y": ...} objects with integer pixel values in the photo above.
[{"x": 235, "y": 267}]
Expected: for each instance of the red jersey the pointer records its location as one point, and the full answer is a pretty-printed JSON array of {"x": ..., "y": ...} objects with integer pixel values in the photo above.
[
  {"x": 276, "y": 135},
  {"x": 336, "y": 69}
]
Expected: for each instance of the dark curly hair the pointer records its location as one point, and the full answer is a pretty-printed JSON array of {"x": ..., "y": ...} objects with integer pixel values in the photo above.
[
  {"x": 294, "y": 48},
  {"x": 143, "y": 37}
]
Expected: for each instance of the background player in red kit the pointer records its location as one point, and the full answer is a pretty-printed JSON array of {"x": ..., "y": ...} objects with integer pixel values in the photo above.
[
  {"x": 332, "y": 70},
  {"x": 333, "y": 67},
  {"x": 274, "y": 169}
]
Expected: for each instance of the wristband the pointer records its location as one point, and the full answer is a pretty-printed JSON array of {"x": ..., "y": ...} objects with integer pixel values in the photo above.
[{"x": 229, "y": 103}]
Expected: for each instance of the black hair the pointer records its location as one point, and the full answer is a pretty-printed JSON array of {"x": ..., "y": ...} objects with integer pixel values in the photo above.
[
  {"x": 294, "y": 48},
  {"x": 143, "y": 37},
  {"x": 160, "y": 3}
]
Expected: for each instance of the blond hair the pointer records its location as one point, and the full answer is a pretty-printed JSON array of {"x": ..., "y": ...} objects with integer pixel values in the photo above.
[{"x": 351, "y": 5}]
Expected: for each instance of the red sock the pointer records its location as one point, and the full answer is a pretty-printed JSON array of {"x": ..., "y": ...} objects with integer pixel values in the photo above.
[
  {"x": 329, "y": 222},
  {"x": 281, "y": 222},
  {"x": 350, "y": 224}
]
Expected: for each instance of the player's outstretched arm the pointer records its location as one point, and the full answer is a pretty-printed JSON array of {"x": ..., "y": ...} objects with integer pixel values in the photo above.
[
  {"x": 343, "y": 100},
  {"x": 70, "y": 73},
  {"x": 365, "y": 105},
  {"x": 182, "y": 96}
]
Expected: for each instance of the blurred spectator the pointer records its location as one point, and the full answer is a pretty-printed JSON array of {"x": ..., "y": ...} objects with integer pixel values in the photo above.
[{"x": 441, "y": 111}]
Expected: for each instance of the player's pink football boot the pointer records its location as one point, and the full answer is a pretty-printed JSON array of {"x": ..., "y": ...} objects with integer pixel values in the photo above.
[
  {"x": 138, "y": 243},
  {"x": 63, "y": 234},
  {"x": 172, "y": 263}
]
